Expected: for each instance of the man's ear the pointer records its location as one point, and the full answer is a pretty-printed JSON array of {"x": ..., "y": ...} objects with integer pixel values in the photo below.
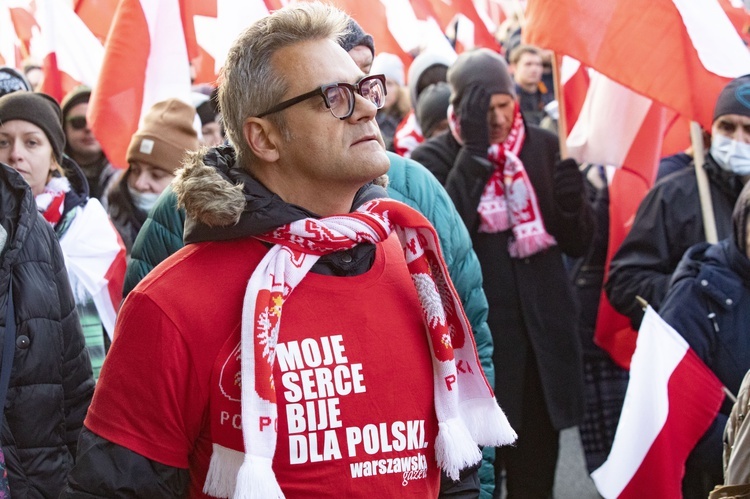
[{"x": 263, "y": 138}]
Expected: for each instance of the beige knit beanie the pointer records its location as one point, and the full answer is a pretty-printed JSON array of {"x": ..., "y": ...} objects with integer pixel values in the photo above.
[{"x": 166, "y": 134}]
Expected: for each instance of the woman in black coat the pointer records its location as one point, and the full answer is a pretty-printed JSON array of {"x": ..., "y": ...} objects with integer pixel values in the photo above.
[{"x": 51, "y": 381}]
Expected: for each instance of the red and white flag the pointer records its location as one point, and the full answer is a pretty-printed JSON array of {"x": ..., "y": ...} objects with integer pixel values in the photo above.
[
  {"x": 145, "y": 61},
  {"x": 95, "y": 260},
  {"x": 699, "y": 51},
  {"x": 69, "y": 51},
  {"x": 672, "y": 399}
]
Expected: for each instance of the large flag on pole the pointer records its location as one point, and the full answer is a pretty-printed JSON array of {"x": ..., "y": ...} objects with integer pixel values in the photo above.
[
  {"x": 145, "y": 61},
  {"x": 699, "y": 52},
  {"x": 672, "y": 399},
  {"x": 70, "y": 53}
]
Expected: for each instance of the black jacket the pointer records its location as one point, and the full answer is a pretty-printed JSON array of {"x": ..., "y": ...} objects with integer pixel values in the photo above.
[
  {"x": 530, "y": 299},
  {"x": 51, "y": 382},
  {"x": 667, "y": 223},
  {"x": 125, "y": 215}
]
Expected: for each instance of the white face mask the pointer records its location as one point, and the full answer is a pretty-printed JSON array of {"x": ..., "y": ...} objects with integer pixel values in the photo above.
[
  {"x": 143, "y": 200},
  {"x": 731, "y": 155}
]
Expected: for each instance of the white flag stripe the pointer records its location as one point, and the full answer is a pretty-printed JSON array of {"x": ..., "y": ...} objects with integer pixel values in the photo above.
[
  {"x": 89, "y": 253},
  {"x": 168, "y": 69},
  {"x": 659, "y": 349},
  {"x": 719, "y": 49},
  {"x": 608, "y": 123}
]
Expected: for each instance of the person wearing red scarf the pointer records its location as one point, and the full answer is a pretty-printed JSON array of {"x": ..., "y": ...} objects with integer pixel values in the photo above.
[
  {"x": 307, "y": 341},
  {"x": 524, "y": 209}
]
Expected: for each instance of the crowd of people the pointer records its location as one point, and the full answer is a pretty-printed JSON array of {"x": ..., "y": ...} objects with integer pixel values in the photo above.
[{"x": 439, "y": 267}]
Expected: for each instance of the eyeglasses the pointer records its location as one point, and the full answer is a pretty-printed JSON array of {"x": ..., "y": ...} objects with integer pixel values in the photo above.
[
  {"x": 339, "y": 97},
  {"x": 77, "y": 122}
]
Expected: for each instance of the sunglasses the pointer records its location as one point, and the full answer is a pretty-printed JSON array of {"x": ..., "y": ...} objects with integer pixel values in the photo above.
[
  {"x": 339, "y": 97},
  {"x": 77, "y": 122}
]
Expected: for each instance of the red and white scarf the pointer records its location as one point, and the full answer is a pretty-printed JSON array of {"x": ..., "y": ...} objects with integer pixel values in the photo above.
[
  {"x": 51, "y": 201},
  {"x": 465, "y": 406},
  {"x": 509, "y": 199}
]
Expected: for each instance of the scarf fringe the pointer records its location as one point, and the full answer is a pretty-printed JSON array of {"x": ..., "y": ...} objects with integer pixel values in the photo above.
[
  {"x": 454, "y": 447},
  {"x": 222, "y": 472},
  {"x": 530, "y": 245},
  {"x": 256, "y": 479},
  {"x": 487, "y": 422}
]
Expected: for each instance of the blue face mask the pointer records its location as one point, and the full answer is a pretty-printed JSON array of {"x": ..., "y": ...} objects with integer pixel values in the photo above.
[
  {"x": 731, "y": 155},
  {"x": 143, "y": 200}
]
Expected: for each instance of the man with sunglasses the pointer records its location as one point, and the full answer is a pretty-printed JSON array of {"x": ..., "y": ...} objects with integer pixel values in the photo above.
[
  {"x": 82, "y": 146},
  {"x": 370, "y": 384}
]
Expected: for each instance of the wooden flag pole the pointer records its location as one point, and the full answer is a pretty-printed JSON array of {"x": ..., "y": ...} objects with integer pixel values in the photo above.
[
  {"x": 704, "y": 190},
  {"x": 562, "y": 124}
]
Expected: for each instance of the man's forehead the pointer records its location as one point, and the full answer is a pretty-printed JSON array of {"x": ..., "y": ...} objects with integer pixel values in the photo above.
[
  {"x": 316, "y": 62},
  {"x": 736, "y": 119}
]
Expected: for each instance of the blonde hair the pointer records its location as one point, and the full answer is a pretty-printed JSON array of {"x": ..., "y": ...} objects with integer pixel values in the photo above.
[{"x": 250, "y": 84}]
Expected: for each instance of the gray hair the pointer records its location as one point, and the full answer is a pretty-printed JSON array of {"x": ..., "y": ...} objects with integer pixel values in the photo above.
[{"x": 250, "y": 84}]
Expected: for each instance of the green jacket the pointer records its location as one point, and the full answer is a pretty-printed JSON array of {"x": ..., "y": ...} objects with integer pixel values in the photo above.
[{"x": 410, "y": 183}]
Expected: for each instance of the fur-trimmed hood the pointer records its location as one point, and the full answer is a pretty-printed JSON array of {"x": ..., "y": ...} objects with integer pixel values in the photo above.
[{"x": 223, "y": 201}]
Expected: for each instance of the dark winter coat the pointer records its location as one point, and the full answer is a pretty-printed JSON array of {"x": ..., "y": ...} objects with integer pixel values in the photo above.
[
  {"x": 667, "y": 223},
  {"x": 125, "y": 215},
  {"x": 530, "y": 299},
  {"x": 708, "y": 303},
  {"x": 51, "y": 382}
]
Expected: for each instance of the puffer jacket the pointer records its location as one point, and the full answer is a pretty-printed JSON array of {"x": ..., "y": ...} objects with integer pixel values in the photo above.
[
  {"x": 51, "y": 382},
  {"x": 127, "y": 218},
  {"x": 708, "y": 303}
]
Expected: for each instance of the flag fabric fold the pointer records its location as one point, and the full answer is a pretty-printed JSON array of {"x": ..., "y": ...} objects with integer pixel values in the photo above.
[{"x": 671, "y": 400}]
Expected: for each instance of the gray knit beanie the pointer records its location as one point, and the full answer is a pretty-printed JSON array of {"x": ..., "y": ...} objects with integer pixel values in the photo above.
[
  {"x": 355, "y": 36},
  {"x": 432, "y": 107},
  {"x": 734, "y": 98},
  {"x": 39, "y": 109},
  {"x": 482, "y": 67}
]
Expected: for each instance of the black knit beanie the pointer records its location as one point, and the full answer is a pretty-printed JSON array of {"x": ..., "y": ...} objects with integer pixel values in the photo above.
[
  {"x": 482, "y": 67},
  {"x": 734, "y": 98},
  {"x": 741, "y": 217},
  {"x": 78, "y": 95},
  {"x": 39, "y": 109},
  {"x": 432, "y": 106},
  {"x": 354, "y": 36},
  {"x": 12, "y": 81}
]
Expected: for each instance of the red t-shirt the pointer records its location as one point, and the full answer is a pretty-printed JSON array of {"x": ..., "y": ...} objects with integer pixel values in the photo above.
[{"x": 353, "y": 374}]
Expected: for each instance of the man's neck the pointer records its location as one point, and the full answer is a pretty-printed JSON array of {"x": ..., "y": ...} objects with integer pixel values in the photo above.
[{"x": 325, "y": 200}]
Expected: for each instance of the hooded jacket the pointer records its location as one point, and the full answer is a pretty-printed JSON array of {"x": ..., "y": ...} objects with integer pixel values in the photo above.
[
  {"x": 51, "y": 382},
  {"x": 223, "y": 203}
]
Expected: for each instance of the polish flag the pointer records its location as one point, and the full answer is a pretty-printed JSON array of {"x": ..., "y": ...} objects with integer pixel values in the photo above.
[
  {"x": 217, "y": 24},
  {"x": 671, "y": 400},
  {"x": 17, "y": 25},
  {"x": 145, "y": 62},
  {"x": 69, "y": 51},
  {"x": 97, "y": 15},
  {"x": 699, "y": 51},
  {"x": 575, "y": 80},
  {"x": 96, "y": 260}
]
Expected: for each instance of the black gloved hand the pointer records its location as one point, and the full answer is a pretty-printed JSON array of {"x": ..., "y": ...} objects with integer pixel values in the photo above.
[
  {"x": 568, "y": 185},
  {"x": 472, "y": 118}
]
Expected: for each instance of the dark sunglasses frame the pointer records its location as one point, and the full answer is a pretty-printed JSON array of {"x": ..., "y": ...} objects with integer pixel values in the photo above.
[
  {"x": 321, "y": 91},
  {"x": 77, "y": 122}
]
